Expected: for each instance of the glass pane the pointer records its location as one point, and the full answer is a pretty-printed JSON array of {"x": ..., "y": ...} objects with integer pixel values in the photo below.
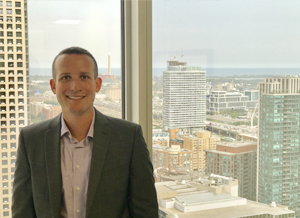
[
  {"x": 93, "y": 25},
  {"x": 224, "y": 73}
]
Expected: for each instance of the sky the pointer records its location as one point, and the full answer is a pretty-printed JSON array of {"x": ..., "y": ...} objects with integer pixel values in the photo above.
[{"x": 206, "y": 33}]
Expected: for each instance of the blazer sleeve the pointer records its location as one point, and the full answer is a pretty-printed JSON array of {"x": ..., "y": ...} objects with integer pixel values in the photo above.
[
  {"x": 142, "y": 192},
  {"x": 22, "y": 199}
]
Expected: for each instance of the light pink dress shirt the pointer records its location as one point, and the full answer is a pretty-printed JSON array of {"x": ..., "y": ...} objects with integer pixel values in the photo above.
[{"x": 75, "y": 169}]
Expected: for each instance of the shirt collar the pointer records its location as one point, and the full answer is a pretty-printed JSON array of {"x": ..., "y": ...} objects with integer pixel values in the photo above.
[{"x": 64, "y": 128}]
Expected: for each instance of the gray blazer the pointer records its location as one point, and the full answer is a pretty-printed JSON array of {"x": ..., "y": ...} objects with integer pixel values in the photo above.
[{"x": 121, "y": 182}]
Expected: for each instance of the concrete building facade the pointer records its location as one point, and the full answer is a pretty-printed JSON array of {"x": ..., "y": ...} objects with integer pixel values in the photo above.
[
  {"x": 222, "y": 100},
  {"x": 199, "y": 144},
  {"x": 184, "y": 97},
  {"x": 236, "y": 160},
  {"x": 279, "y": 142},
  {"x": 13, "y": 91}
]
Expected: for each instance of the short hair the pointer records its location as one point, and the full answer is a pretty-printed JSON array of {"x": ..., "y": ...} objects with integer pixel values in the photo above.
[{"x": 75, "y": 50}]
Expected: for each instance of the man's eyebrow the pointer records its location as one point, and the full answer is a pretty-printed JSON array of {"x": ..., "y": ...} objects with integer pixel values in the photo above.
[{"x": 64, "y": 74}]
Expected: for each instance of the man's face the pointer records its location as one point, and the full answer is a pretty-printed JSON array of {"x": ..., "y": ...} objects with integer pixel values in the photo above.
[{"x": 74, "y": 84}]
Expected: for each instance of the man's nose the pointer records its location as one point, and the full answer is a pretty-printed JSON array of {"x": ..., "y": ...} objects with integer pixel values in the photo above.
[{"x": 75, "y": 85}]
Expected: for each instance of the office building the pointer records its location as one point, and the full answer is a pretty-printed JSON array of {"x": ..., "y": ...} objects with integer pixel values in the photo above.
[
  {"x": 236, "y": 160},
  {"x": 13, "y": 91},
  {"x": 279, "y": 142},
  {"x": 252, "y": 94},
  {"x": 215, "y": 197},
  {"x": 222, "y": 100},
  {"x": 184, "y": 97},
  {"x": 199, "y": 144}
]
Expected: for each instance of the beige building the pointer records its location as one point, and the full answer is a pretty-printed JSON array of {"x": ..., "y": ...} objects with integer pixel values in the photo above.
[
  {"x": 13, "y": 91},
  {"x": 199, "y": 144},
  {"x": 172, "y": 158},
  {"x": 113, "y": 92}
]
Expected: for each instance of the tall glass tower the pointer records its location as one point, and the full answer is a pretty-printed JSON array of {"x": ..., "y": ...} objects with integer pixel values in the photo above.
[
  {"x": 13, "y": 91},
  {"x": 184, "y": 97},
  {"x": 279, "y": 147}
]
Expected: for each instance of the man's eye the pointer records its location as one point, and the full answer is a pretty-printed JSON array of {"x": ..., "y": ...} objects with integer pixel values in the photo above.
[
  {"x": 65, "y": 77},
  {"x": 84, "y": 77}
]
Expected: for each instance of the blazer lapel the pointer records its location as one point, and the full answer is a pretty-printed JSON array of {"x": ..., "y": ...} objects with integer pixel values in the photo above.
[
  {"x": 100, "y": 146},
  {"x": 53, "y": 164}
]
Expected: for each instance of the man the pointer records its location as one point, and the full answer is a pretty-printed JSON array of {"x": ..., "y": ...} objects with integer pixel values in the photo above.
[{"x": 82, "y": 164}]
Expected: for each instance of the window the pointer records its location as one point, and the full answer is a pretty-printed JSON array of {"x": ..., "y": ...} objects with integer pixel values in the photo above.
[
  {"x": 13, "y": 154},
  {"x": 9, "y": 34},
  {"x": 19, "y": 34},
  {"x": 13, "y": 145},
  {"x": 4, "y": 170},
  {"x": 4, "y": 154},
  {"x": 18, "y": 11},
  {"x": 4, "y": 162},
  {"x": 5, "y": 200},
  {"x": 20, "y": 64},
  {"x": 1, "y": 11},
  {"x": 17, "y": 4},
  {"x": 9, "y": 41},
  {"x": 4, "y": 184},
  {"x": 8, "y": 4},
  {"x": 13, "y": 161},
  {"x": 5, "y": 177},
  {"x": 8, "y": 11},
  {"x": 3, "y": 146},
  {"x": 18, "y": 19},
  {"x": 18, "y": 26},
  {"x": 9, "y": 19},
  {"x": 6, "y": 213}
]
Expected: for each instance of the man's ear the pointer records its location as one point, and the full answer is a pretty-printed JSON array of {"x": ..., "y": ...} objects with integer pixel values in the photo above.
[
  {"x": 53, "y": 85},
  {"x": 98, "y": 84}
]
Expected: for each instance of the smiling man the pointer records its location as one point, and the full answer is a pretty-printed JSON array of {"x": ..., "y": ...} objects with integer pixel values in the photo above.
[{"x": 82, "y": 164}]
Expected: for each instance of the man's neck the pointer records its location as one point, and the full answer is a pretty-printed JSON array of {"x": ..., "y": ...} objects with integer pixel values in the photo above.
[{"x": 78, "y": 125}]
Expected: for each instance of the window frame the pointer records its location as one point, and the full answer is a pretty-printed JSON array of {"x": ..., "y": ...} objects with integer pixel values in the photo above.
[{"x": 136, "y": 44}]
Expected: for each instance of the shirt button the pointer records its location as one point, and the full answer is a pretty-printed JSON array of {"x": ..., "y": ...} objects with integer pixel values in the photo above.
[
  {"x": 78, "y": 210},
  {"x": 77, "y": 166},
  {"x": 78, "y": 188}
]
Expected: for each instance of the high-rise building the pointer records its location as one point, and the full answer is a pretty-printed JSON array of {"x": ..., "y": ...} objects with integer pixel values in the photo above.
[
  {"x": 236, "y": 160},
  {"x": 279, "y": 142},
  {"x": 184, "y": 97},
  {"x": 199, "y": 144},
  {"x": 13, "y": 91}
]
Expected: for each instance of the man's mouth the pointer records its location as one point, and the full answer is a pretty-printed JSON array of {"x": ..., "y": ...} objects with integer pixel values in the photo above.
[{"x": 75, "y": 97}]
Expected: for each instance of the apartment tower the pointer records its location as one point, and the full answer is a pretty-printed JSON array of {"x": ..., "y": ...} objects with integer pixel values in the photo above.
[
  {"x": 236, "y": 160},
  {"x": 13, "y": 91},
  {"x": 204, "y": 141},
  {"x": 279, "y": 136},
  {"x": 184, "y": 97}
]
